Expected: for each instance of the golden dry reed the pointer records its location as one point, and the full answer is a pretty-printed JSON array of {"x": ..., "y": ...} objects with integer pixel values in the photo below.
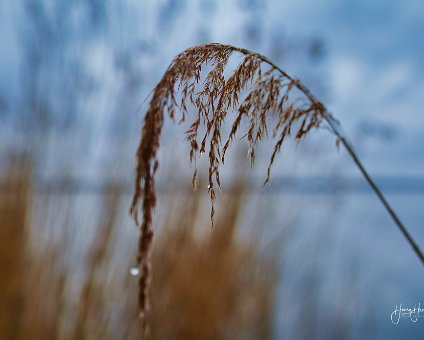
[{"x": 256, "y": 91}]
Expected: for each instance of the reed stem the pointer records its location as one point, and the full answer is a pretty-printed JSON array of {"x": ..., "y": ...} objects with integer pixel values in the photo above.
[
  {"x": 375, "y": 188},
  {"x": 331, "y": 122}
]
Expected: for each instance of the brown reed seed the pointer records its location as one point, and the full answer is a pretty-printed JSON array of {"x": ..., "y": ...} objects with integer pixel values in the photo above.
[{"x": 256, "y": 91}]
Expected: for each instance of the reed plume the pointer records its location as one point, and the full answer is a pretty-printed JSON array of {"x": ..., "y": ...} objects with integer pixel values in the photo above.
[{"x": 258, "y": 91}]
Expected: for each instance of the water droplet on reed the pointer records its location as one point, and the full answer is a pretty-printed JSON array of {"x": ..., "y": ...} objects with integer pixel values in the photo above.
[
  {"x": 134, "y": 271},
  {"x": 209, "y": 186},
  {"x": 202, "y": 152}
]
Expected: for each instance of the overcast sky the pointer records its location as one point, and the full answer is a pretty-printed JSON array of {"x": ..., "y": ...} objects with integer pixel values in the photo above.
[{"x": 372, "y": 67}]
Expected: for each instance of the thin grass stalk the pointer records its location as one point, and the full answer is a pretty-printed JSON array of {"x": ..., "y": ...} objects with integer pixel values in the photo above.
[
  {"x": 343, "y": 140},
  {"x": 269, "y": 92},
  {"x": 333, "y": 124},
  {"x": 377, "y": 191}
]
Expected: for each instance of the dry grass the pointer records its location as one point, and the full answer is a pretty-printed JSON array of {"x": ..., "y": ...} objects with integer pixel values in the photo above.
[
  {"x": 207, "y": 285},
  {"x": 90, "y": 302},
  {"x": 13, "y": 211},
  {"x": 257, "y": 91},
  {"x": 212, "y": 285}
]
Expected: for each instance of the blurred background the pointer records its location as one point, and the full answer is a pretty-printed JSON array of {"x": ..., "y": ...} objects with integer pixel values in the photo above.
[{"x": 311, "y": 256}]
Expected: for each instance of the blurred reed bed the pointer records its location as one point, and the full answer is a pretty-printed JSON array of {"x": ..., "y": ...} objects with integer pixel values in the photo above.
[
  {"x": 13, "y": 239},
  {"x": 65, "y": 267},
  {"x": 211, "y": 285}
]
